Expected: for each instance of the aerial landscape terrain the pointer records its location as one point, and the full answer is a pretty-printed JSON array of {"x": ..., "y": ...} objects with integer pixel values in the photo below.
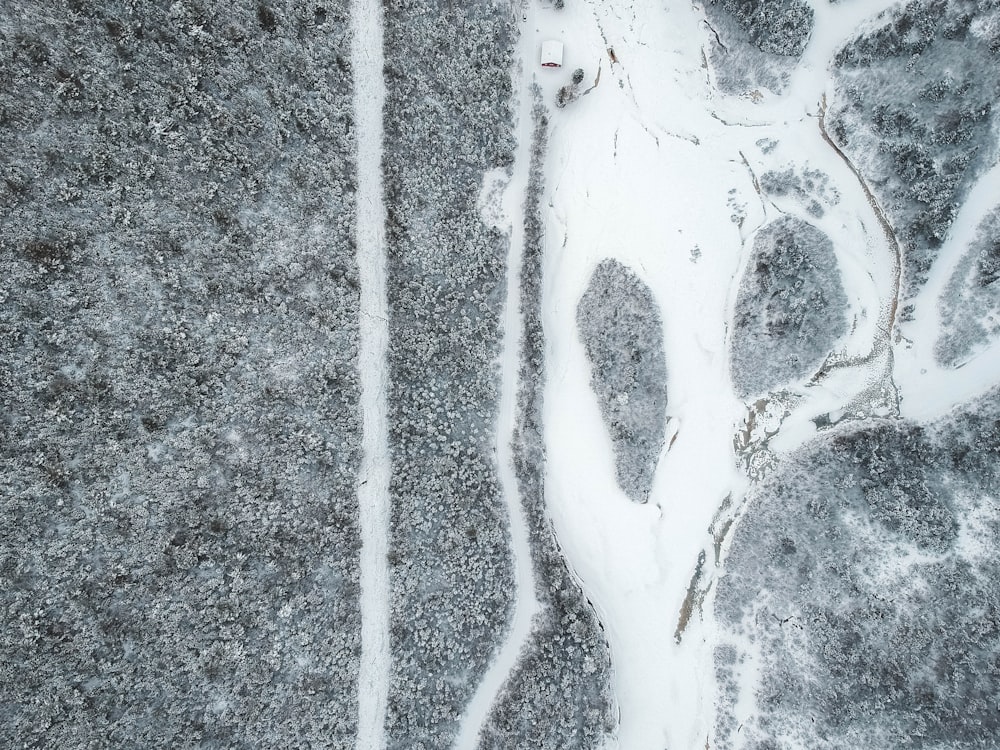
[{"x": 367, "y": 383}]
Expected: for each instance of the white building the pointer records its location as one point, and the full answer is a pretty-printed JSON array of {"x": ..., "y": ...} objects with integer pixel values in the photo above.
[{"x": 552, "y": 54}]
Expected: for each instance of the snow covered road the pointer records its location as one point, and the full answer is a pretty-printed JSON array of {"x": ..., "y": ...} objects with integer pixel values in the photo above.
[{"x": 373, "y": 486}]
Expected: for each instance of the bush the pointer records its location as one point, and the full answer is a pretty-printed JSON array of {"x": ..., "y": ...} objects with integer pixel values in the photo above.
[
  {"x": 778, "y": 27},
  {"x": 920, "y": 138},
  {"x": 452, "y": 577},
  {"x": 757, "y": 42},
  {"x": 178, "y": 377},
  {"x": 970, "y": 304},
  {"x": 790, "y": 309}
]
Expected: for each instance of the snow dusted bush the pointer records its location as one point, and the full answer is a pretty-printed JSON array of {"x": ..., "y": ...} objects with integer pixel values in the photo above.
[
  {"x": 865, "y": 575},
  {"x": 571, "y": 91},
  {"x": 914, "y": 111},
  {"x": 756, "y": 42},
  {"x": 808, "y": 188},
  {"x": 620, "y": 324},
  {"x": 779, "y": 27},
  {"x": 970, "y": 305},
  {"x": 559, "y": 694},
  {"x": 178, "y": 385},
  {"x": 790, "y": 309},
  {"x": 447, "y": 122}
]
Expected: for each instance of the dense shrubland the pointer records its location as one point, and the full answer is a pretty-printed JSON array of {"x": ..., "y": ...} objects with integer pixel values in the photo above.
[
  {"x": 790, "y": 309},
  {"x": 808, "y": 188},
  {"x": 864, "y": 580},
  {"x": 619, "y": 322},
  {"x": 559, "y": 695},
  {"x": 755, "y": 43},
  {"x": 447, "y": 123},
  {"x": 778, "y": 27},
  {"x": 178, "y": 386},
  {"x": 970, "y": 305},
  {"x": 915, "y": 111}
]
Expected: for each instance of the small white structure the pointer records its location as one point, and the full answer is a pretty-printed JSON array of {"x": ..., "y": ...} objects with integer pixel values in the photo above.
[{"x": 552, "y": 54}]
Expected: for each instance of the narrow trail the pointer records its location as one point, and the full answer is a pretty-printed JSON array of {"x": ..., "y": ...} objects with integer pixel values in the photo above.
[
  {"x": 373, "y": 480},
  {"x": 887, "y": 316},
  {"x": 525, "y": 603}
]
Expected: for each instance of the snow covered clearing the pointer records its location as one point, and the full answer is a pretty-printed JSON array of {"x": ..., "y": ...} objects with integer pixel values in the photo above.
[
  {"x": 654, "y": 168},
  {"x": 506, "y": 212},
  {"x": 373, "y": 486}
]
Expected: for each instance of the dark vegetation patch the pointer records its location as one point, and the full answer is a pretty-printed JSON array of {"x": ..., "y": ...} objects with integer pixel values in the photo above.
[
  {"x": 447, "y": 123},
  {"x": 778, "y": 27},
  {"x": 178, "y": 385},
  {"x": 790, "y": 309},
  {"x": 808, "y": 188},
  {"x": 915, "y": 112},
  {"x": 755, "y": 43},
  {"x": 866, "y": 573},
  {"x": 619, "y": 321}
]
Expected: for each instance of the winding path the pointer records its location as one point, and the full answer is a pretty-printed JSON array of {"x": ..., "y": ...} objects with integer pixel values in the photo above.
[
  {"x": 525, "y": 603},
  {"x": 373, "y": 483}
]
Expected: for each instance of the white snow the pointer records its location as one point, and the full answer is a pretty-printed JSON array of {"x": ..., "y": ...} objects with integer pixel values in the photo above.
[
  {"x": 506, "y": 212},
  {"x": 373, "y": 485}
]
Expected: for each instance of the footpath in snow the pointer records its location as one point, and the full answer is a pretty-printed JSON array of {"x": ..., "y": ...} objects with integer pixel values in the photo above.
[
  {"x": 929, "y": 390},
  {"x": 509, "y": 217},
  {"x": 373, "y": 484}
]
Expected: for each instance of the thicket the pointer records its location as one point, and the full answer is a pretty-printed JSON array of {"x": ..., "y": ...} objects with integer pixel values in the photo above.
[
  {"x": 915, "y": 112},
  {"x": 756, "y": 42},
  {"x": 559, "y": 695},
  {"x": 865, "y": 573},
  {"x": 779, "y": 27},
  {"x": 178, "y": 385},
  {"x": 809, "y": 188},
  {"x": 447, "y": 122},
  {"x": 790, "y": 308},
  {"x": 619, "y": 322},
  {"x": 970, "y": 304}
]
